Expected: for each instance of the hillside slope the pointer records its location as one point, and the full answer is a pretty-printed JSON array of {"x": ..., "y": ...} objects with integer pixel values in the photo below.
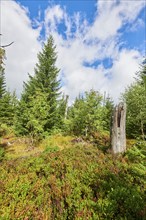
[{"x": 81, "y": 182}]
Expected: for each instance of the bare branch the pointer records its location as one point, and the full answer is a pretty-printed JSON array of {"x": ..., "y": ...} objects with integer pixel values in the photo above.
[{"x": 7, "y": 45}]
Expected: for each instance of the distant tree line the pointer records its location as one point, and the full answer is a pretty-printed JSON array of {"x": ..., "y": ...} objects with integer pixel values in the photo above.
[{"x": 42, "y": 108}]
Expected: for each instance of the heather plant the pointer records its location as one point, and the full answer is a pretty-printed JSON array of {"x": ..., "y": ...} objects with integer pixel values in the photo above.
[{"x": 80, "y": 182}]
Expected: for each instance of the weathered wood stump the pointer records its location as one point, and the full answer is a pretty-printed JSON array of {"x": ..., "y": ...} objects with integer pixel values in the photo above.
[{"x": 118, "y": 130}]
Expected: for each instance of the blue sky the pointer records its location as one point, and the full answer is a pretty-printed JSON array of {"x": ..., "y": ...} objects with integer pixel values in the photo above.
[
  {"x": 100, "y": 44},
  {"x": 86, "y": 6},
  {"x": 133, "y": 39}
]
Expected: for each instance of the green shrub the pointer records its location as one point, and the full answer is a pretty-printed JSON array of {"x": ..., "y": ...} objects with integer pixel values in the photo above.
[
  {"x": 2, "y": 152},
  {"x": 51, "y": 149},
  {"x": 77, "y": 183},
  {"x": 4, "y": 130}
]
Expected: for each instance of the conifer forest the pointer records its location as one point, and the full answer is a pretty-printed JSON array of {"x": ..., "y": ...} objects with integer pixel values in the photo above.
[{"x": 56, "y": 158}]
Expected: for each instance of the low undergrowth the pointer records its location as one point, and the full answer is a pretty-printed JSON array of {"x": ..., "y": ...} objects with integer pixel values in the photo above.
[
  {"x": 81, "y": 182},
  {"x": 12, "y": 147}
]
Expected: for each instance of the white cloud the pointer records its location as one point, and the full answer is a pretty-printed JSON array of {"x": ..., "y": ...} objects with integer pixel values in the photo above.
[
  {"x": 96, "y": 42},
  {"x": 136, "y": 25},
  {"x": 22, "y": 55},
  {"x": 87, "y": 43},
  {"x": 123, "y": 71},
  {"x": 53, "y": 17},
  {"x": 111, "y": 16}
]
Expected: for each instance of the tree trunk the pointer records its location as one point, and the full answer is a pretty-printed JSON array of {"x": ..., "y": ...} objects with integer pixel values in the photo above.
[{"x": 118, "y": 132}]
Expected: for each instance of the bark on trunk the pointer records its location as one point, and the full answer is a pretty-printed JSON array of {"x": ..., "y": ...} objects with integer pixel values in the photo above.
[{"x": 118, "y": 131}]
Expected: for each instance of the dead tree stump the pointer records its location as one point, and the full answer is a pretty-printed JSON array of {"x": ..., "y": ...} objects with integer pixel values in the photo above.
[{"x": 118, "y": 130}]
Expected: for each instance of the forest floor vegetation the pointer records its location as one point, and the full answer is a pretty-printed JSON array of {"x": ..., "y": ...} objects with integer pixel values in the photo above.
[{"x": 66, "y": 177}]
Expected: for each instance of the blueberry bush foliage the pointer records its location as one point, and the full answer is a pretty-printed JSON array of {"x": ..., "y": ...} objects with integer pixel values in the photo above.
[{"x": 81, "y": 182}]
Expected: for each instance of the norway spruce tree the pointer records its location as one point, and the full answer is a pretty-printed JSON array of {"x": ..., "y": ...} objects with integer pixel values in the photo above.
[
  {"x": 8, "y": 101},
  {"x": 38, "y": 108},
  {"x": 135, "y": 96},
  {"x": 87, "y": 115},
  {"x": 2, "y": 75}
]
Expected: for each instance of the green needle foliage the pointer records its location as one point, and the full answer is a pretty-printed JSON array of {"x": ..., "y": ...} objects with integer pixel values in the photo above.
[
  {"x": 89, "y": 114},
  {"x": 135, "y": 97},
  {"x": 38, "y": 109},
  {"x": 8, "y": 105},
  {"x": 8, "y": 101}
]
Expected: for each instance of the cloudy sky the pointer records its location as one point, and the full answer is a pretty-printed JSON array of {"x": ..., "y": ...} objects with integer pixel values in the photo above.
[{"x": 100, "y": 43}]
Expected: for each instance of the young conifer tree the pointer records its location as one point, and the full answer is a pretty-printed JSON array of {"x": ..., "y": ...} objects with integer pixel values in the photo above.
[
  {"x": 43, "y": 85},
  {"x": 2, "y": 74},
  {"x": 8, "y": 101},
  {"x": 135, "y": 96}
]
